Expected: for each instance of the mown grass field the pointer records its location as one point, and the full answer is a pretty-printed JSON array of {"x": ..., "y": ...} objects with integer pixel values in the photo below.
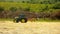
[{"x": 9, "y": 27}]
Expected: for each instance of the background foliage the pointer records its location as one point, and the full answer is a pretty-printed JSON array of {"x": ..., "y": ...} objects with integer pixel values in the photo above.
[{"x": 42, "y": 9}]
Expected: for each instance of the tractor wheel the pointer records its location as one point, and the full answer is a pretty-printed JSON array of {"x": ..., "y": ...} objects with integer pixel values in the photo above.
[
  {"x": 23, "y": 20},
  {"x": 16, "y": 20}
]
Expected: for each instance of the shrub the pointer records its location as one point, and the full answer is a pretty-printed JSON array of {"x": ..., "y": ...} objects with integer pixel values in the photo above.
[
  {"x": 27, "y": 9},
  {"x": 13, "y": 9},
  {"x": 55, "y": 14},
  {"x": 44, "y": 14},
  {"x": 23, "y": 1},
  {"x": 56, "y": 6},
  {"x": 1, "y": 9}
]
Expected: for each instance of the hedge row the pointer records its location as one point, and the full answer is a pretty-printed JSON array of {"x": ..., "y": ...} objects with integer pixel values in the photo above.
[{"x": 52, "y": 14}]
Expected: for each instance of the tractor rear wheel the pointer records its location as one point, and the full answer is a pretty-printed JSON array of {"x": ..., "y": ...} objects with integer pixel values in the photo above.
[{"x": 23, "y": 20}]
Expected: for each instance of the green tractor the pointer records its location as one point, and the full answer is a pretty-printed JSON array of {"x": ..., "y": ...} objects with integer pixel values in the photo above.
[{"x": 21, "y": 18}]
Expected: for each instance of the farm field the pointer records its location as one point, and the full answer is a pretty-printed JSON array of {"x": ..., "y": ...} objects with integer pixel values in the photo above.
[
  {"x": 43, "y": 17},
  {"x": 9, "y": 27}
]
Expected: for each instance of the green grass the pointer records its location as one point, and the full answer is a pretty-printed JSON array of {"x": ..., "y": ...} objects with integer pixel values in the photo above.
[
  {"x": 40, "y": 20},
  {"x": 5, "y": 19},
  {"x": 47, "y": 20}
]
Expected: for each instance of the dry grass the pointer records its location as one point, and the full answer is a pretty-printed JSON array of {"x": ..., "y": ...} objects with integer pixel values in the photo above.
[{"x": 9, "y": 27}]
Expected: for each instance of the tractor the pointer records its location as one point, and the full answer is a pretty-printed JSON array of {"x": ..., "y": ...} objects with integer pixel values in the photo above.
[{"x": 21, "y": 18}]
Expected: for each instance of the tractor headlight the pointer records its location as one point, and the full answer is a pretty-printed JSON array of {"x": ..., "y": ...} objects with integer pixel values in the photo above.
[{"x": 16, "y": 17}]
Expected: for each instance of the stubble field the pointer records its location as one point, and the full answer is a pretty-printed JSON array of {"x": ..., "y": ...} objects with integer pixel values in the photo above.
[{"x": 9, "y": 27}]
